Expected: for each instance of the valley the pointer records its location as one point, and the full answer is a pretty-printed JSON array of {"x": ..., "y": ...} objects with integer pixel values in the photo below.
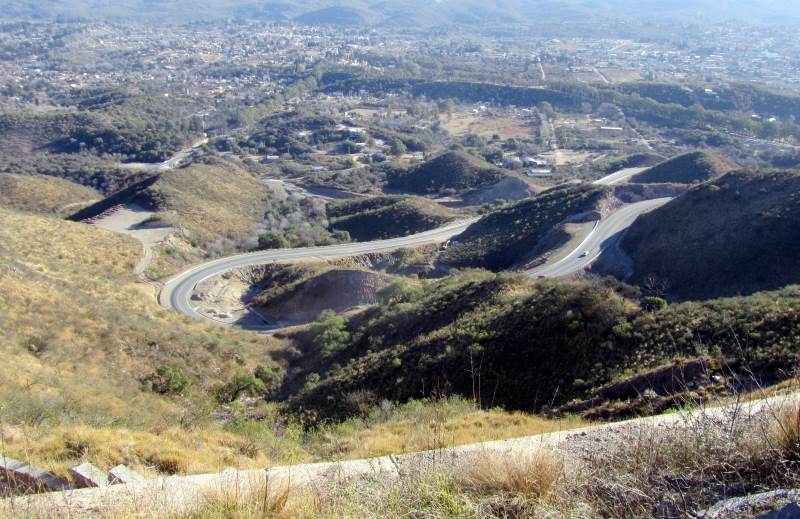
[{"x": 317, "y": 259}]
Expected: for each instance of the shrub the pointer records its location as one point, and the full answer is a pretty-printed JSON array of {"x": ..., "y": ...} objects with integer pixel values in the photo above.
[
  {"x": 242, "y": 383},
  {"x": 653, "y": 303},
  {"x": 330, "y": 333},
  {"x": 273, "y": 240},
  {"x": 168, "y": 380}
]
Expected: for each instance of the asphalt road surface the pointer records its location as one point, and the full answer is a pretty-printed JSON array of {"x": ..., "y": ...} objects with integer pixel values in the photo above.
[
  {"x": 177, "y": 291},
  {"x": 618, "y": 177},
  {"x": 606, "y": 234}
]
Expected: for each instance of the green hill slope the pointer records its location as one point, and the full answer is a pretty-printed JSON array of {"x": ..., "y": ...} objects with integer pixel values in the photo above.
[
  {"x": 456, "y": 171},
  {"x": 387, "y": 217},
  {"x": 690, "y": 168},
  {"x": 504, "y": 237},
  {"x": 738, "y": 234},
  {"x": 510, "y": 341}
]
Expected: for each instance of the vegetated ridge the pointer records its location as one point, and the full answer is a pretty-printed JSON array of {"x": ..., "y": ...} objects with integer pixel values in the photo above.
[
  {"x": 378, "y": 218},
  {"x": 454, "y": 171},
  {"x": 689, "y": 168},
  {"x": 506, "y": 340},
  {"x": 506, "y": 236},
  {"x": 735, "y": 235}
]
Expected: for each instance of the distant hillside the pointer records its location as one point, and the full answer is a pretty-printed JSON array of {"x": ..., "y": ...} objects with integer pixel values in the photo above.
[
  {"x": 637, "y": 160},
  {"x": 45, "y": 195},
  {"x": 205, "y": 201},
  {"x": 509, "y": 341},
  {"x": 413, "y": 13},
  {"x": 456, "y": 171},
  {"x": 735, "y": 235},
  {"x": 387, "y": 217},
  {"x": 506, "y": 236},
  {"x": 690, "y": 168}
]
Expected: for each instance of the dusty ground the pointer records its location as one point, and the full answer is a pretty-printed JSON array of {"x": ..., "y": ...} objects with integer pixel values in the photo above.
[
  {"x": 507, "y": 127},
  {"x": 129, "y": 219}
]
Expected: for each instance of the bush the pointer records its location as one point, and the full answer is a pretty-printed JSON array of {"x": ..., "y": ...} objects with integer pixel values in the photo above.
[
  {"x": 273, "y": 240},
  {"x": 653, "y": 303},
  {"x": 330, "y": 333},
  {"x": 168, "y": 380},
  {"x": 242, "y": 383},
  {"x": 398, "y": 291}
]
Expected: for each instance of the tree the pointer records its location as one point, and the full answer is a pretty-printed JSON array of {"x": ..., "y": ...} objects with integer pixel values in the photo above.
[
  {"x": 474, "y": 140},
  {"x": 273, "y": 240},
  {"x": 398, "y": 291},
  {"x": 242, "y": 383},
  {"x": 653, "y": 303},
  {"x": 168, "y": 380},
  {"x": 546, "y": 109},
  {"x": 330, "y": 333},
  {"x": 397, "y": 147}
]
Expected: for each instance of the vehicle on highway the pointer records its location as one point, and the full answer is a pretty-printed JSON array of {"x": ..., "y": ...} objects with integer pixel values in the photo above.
[{"x": 584, "y": 254}]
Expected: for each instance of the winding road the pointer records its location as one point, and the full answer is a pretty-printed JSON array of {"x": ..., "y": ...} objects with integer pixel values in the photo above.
[
  {"x": 177, "y": 291},
  {"x": 605, "y": 235}
]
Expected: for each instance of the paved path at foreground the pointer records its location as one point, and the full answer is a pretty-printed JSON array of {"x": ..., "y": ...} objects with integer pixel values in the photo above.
[{"x": 174, "y": 496}]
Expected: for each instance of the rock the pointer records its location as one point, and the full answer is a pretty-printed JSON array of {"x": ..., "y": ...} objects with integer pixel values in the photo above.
[
  {"x": 778, "y": 504},
  {"x": 122, "y": 475},
  {"x": 17, "y": 477},
  {"x": 87, "y": 475}
]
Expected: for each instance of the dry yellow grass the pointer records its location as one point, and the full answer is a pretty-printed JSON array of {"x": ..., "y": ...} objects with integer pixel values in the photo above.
[
  {"x": 45, "y": 195},
  {"x": 210, "y": 201},
  {"x": 507, "y": 127},
  {"x": 79, "y": 332},
  {"x": 420, "y": 426},
  {"x": 533, "y": 474},
  {"x": 170, "y": 451}
]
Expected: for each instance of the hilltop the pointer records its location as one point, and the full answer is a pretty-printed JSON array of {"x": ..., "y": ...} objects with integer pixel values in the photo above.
[
  {"x": 689, "y": 168},
  {"x": 387, "y": 217},
  {"x": 735, "y": 235},
  {"x": 207, "y": 201},
  {"x": 637, "y": 160},
  {"x": 45, "y": 195},
  {"x": 455, "y": 171},
  {"x": 509, "y": 235}
]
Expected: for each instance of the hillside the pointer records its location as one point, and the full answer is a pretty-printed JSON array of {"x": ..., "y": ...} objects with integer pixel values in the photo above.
[
  {"x": 387, "y": 217},
  {"x": 454, "y": 171},
  {"x": 207, "y": 201},
  {"x": 132, "y": 127},
  {"x": 637, "y": 160},
  {"x": 412, "y": 13},
  {"x": 690, "y": 168},
  {"x": 506, "y": 236},
  {"x": 735, "y": 235},
  {"x": 311, "y": 290},
  {"x": 521, "y": 344},
  {"x": 44, "y": 195},
  {"x": 81, "y": 338}
]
